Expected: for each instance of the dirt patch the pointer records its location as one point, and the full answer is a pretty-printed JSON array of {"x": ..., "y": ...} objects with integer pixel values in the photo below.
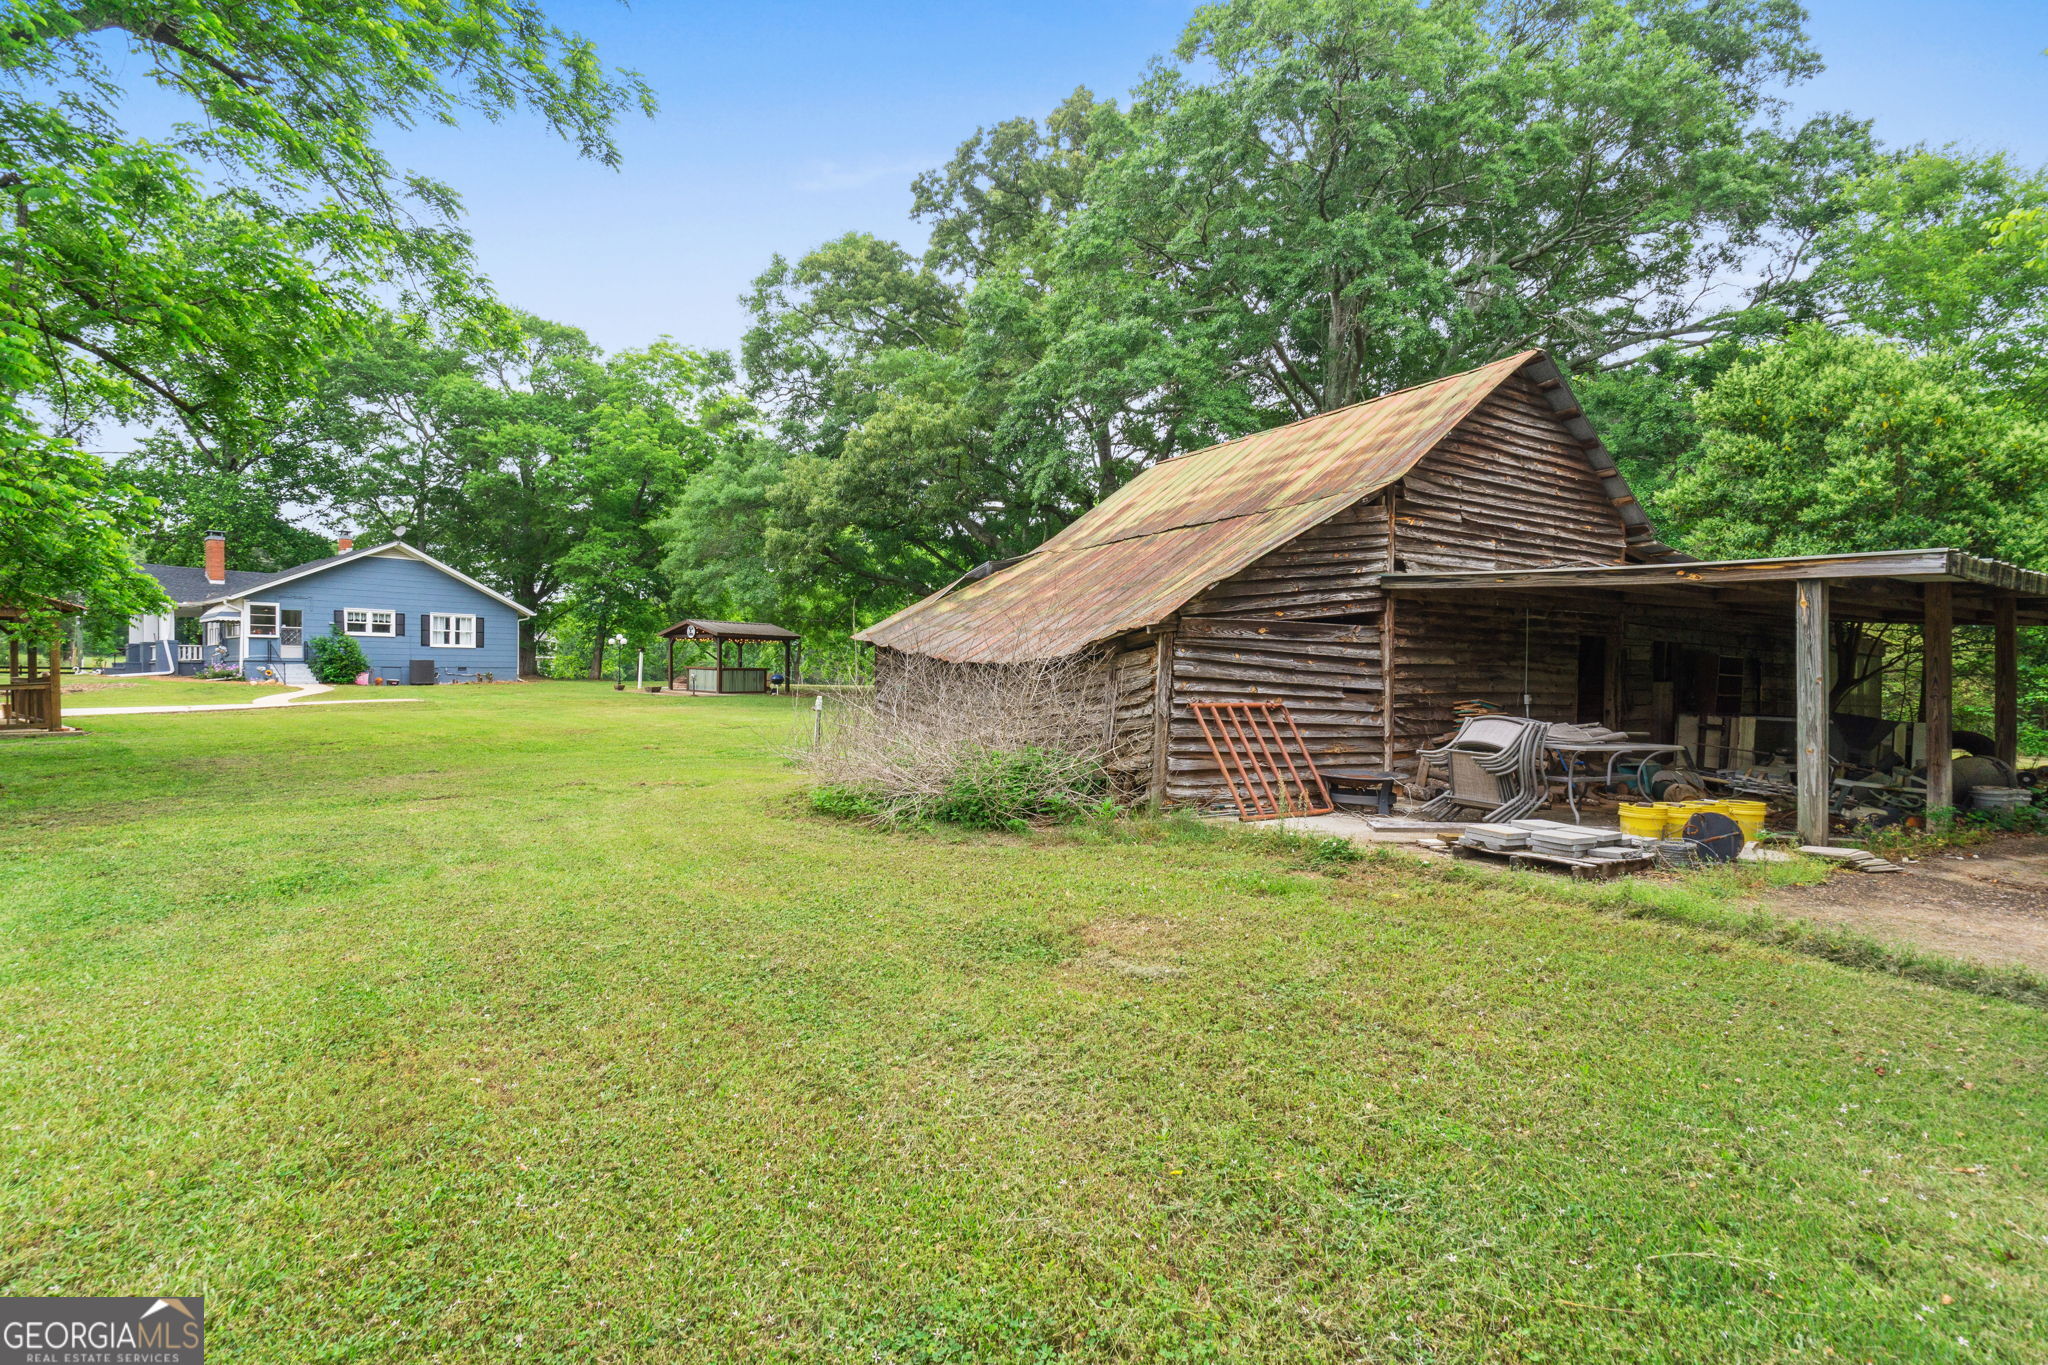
[
  {"x": 103, "y": 685},
  {"x": 1987, "y": 904},
  {"x": 1134, "y": 946}
]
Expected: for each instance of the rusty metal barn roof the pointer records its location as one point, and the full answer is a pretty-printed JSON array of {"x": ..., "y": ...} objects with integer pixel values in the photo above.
[{"x": 1185, "y": 524}]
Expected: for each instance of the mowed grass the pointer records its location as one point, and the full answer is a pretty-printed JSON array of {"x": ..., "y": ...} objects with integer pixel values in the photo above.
[
  {"x": 541, "y": 1023},
  {"x": 106, "y": 691}
]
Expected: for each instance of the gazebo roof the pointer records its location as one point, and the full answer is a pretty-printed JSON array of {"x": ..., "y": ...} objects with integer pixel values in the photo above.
[
  {"x": 9, "y": 612},
  {"x": 726, "y": 630}
]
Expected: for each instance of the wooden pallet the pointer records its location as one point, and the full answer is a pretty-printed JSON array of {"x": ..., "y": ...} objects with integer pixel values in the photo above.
[{"x": 1581, "y": 869}]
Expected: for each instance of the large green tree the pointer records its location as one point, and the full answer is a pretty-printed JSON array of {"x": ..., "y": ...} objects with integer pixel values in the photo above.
[
  {"x": 1829, "y": 442},
  {"x": 520, "y": 453},
  {"x": 202, "y": 271},
  {"x": 63, "y": 523},
  {"x": 1318, "y": 200},
  {"x": 200, "y": 267},
  {"x": 1335, "y": 198}
]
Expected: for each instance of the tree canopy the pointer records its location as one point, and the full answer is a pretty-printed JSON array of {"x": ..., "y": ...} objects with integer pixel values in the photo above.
[{"x": 201, "y": 274}]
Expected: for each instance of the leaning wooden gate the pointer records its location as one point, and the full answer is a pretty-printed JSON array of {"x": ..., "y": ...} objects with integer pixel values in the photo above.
[{"x": 1266, "y": 765}]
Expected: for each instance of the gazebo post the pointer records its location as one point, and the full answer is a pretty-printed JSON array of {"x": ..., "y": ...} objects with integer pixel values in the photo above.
[
  {"x": 54, "y": 714},
  {"x": 2005, "y": 678},
  {"x": 1937, "y": 674},
  {"x": 671, "y": 664},
  {"x": 1810, "y": 684}
]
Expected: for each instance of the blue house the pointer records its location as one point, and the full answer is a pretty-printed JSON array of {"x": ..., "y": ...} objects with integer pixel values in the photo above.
[{"x": 416, "y": 619}]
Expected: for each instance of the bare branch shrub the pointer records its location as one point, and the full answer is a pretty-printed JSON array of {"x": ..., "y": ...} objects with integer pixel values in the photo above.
[{"x": 977, "y": 744}]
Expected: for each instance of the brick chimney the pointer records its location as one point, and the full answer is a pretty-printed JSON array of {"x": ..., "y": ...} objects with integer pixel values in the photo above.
[
  {"x": 344, "y": 544},
  {"x": 216, "y": 557}
]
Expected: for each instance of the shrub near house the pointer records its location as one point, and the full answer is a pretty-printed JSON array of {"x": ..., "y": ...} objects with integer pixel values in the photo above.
[{"x": 337, "y": 658}]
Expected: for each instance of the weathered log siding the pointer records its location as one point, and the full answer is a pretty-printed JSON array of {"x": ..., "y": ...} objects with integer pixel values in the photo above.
[
  {"x": 1327, "y": 673},
  {"x": 1331, "y": 570},
  {"x": 1507, "y": 487}
]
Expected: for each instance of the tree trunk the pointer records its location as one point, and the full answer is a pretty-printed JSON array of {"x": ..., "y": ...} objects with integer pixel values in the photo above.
[{"x": 597, "y": 650}]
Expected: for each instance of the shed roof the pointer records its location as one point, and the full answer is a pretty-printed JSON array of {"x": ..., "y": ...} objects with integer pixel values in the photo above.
[
  {"x": 1979, "y": 581},
  {"x": 1188, "y": 523},
  {"x": 728, "y": 630}
]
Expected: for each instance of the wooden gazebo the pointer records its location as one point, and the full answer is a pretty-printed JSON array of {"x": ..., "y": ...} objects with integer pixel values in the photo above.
[
  {"x": 736, "y": 676},
  {"x": 32, "y": 698}
]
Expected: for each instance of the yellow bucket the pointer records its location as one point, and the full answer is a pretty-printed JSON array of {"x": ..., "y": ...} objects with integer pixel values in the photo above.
[
  {"x": 1675, "y": 818},
  {"x": 1749, "y": 815},
  {"x": 1644, "y": 820}
]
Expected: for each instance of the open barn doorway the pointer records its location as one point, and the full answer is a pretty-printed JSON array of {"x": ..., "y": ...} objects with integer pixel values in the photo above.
[{"x": 1593, "y": 680}]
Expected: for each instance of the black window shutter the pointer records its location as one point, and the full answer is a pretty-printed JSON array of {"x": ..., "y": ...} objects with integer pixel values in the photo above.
[
  {"x": 479, "y": 630},
  {"x": 337, "y": 619},
  {"x": 426, "y": 628},
  {"x": 398, "y": 625}
]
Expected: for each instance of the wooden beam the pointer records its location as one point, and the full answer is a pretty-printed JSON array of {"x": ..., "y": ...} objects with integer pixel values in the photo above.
[
  {"x": 2005, "y": 678},
  {"x": 56, "y": 712},
  {"x": 1162, "y": 710},
  {"x": 1937, "y": 636},
  {"x": 1810, "y": 686},
  {"x": 1388, "y": 650}
]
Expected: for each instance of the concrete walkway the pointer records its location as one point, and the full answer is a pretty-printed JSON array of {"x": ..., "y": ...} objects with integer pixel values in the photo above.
[{"x": 260, "y": 704}]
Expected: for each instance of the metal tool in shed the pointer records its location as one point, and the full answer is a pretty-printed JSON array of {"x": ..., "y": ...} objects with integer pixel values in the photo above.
[{"x": 1263, "y": 759}]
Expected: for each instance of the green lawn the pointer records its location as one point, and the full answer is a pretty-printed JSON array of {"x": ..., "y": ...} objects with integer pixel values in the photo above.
[
  {"x": 92, "y": 691},
  {"x": 541, "y": 1023}
]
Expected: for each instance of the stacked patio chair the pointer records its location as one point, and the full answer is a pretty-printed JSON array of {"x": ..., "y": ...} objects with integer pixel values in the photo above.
[{"x": 1495, "y": 765}]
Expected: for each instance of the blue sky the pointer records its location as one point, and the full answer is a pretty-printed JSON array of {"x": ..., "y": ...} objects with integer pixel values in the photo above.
[{"x": 787, "y": 122}]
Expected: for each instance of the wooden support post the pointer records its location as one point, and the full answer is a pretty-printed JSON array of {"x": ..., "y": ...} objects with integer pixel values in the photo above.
[
  {"x": 1162, "y": 716},
  {"x": 1810, "y": 686},
  {"x": 1387, "y": 686},
  {"x": 671, "y": 665},
  {"x": 2005, "y": 678},
  {"x": 55, "y": 716},
  {"x": 1937, "y": 632}
]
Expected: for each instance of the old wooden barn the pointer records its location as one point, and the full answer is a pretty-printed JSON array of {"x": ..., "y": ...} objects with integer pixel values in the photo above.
[{"x": 1466, "y": 538}]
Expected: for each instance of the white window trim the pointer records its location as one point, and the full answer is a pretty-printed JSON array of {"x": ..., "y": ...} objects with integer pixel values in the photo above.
[
  {"x": 369, "y": 630},
  {"x": 435, "y": 630},
  {"x": 249, "y": 620}
]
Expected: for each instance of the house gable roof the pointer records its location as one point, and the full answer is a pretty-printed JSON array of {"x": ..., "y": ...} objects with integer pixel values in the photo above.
[
  {"x": 190, "y": 588},
  {"x": 1190, "y": 522}
]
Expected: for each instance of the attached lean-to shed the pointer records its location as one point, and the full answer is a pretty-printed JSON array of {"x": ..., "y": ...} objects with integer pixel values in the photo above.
[{"x": 1350, "y": 565}]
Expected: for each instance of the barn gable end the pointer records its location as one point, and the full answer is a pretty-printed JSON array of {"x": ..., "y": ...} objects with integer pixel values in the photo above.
[{"x": 1509, "y": 487}]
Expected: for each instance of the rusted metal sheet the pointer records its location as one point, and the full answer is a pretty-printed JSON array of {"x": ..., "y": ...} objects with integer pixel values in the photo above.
[
  {"x": 1052, "y": 603},
  {"x": 1184, "y": 525},
  {"x": 1355, "y": 450}
]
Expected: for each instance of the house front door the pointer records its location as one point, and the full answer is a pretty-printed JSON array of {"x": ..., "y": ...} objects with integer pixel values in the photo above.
[{"x": 291, "y": 637}]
